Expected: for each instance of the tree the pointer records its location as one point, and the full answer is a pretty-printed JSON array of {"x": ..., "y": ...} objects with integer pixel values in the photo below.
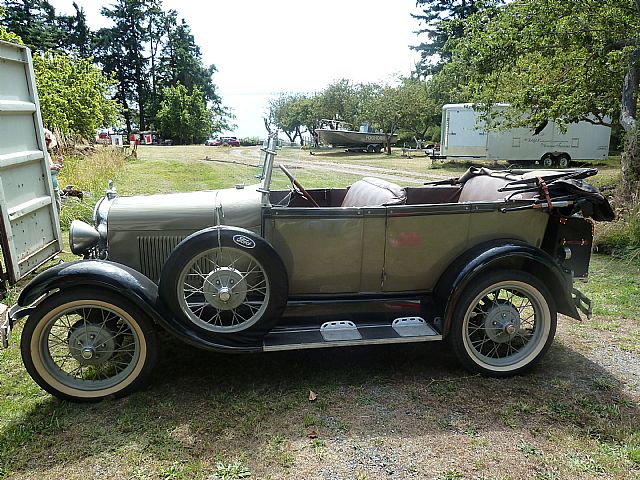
[
  {"x": 32, "y": 20},
  {"x": 287, "y": 114},
  {"x": 37, "y": 23},
  {"x": 443, "y": 22},
  {"x": 568, "y": 61},
  {"x": 6, "y": 35},
  {"x": 383, "y": 106},
  {"x": 339, "y": 101},
  {"x": 185, "y": 117},
  {"x": 121, "y": 50},
  {"x": 73, "y": 33},
  {"x": 75, "y": 96},
  {"x": 420, "y": 111}
]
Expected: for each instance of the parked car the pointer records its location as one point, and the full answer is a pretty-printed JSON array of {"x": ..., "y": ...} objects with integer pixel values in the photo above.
[
  {"x": 485, "y": 261},
  {"x": 224, "y": 141}
]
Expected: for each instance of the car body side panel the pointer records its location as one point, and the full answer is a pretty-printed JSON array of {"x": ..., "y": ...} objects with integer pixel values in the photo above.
[
  {"x": 419, "y": 248},
  {"x": 328, "y": 250},
  {"x": 423, "y": 241}
]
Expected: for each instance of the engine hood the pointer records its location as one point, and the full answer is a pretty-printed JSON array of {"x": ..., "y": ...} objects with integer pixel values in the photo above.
[{"x": 180, "y": 213}]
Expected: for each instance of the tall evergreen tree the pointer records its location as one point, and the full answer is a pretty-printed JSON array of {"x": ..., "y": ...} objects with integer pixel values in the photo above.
[
  {"x": 122, "y": 51},
  {"x": 181, "y": 60},
  {"x": 32, "y": 20},
  {"x": 442, "y": 21},
  {"x": 73, "y": 33}
]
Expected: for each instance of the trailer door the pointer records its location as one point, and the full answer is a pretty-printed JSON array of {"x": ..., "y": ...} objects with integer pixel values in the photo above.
[{"x": 29, "y": 224}]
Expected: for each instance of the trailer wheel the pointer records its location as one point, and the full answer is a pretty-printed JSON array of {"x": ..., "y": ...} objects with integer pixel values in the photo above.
[
  {"x": 371, "y": 148},
  {"x": 564, "y": 161},
  {"x": 548, "y": 160}
]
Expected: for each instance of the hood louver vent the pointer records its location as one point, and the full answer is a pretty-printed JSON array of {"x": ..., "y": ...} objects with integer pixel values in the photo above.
[{"x": 154, "y": 251}]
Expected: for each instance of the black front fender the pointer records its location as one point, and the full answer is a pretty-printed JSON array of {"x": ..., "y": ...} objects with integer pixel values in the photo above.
[
  {"x": 125, "y": 281},
  {"x": 505, "y": 254}
]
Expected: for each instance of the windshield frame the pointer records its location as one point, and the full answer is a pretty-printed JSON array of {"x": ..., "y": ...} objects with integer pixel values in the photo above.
[{"x": 270, "y": 152}]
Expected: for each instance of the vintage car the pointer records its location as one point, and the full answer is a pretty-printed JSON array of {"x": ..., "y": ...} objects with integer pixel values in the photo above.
[{"x": 485, "y": 261}]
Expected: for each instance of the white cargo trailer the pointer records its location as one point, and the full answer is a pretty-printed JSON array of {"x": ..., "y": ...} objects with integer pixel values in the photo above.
[{"x": 464, "y": 135}]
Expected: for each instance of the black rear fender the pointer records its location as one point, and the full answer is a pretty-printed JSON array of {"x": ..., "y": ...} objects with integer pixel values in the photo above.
[
  {"x": 124, "y": 281},
  {"x": 509, "y": 255}
]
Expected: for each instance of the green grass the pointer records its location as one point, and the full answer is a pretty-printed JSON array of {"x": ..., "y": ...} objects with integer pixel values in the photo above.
[{"x": 614, "y": 287}]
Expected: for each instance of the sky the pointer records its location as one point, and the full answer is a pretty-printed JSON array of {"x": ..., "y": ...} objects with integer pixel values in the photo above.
[{"x": 264, "y": 48}]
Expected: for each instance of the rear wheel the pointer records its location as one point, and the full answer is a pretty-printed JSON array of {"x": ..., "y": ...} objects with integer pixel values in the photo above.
[
  {"x": 503, "y": 324},
  {"x": 564, "y": 161},
  {"x": 85, "y": 345}
]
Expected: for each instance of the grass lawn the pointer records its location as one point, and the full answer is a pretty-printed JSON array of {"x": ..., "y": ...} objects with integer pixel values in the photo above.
[{"x": 380, "y": 412}]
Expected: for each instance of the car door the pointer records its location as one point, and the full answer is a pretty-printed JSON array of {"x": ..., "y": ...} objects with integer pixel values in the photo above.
[
  {"x": 29, "y": 227},
  {"x": 329, "y": 250}
]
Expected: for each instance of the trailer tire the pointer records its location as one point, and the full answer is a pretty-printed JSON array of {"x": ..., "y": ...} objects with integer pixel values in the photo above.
[
  {"x": 371, "y": 148},
  {"x": 548, "y": 160},
  {"x": 564, "y": 161}
]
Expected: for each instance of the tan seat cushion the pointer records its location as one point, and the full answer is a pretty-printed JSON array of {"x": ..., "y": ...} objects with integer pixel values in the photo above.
[
  {"x": 374, "y": 192},
  {"x": 485, "y": 188}
]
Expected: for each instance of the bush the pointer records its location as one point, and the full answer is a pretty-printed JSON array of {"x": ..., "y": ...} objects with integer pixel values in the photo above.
[{"x": 621, "y": 238}]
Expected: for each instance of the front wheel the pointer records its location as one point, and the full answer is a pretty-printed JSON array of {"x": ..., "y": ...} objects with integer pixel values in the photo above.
[
  {"x": 503, "y": 324},
  {"x": 86, "y": 345},
  {"x": 548, "y": 160}
]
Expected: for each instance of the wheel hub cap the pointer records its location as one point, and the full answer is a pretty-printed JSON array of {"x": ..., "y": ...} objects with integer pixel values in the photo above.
[
  {"x": 88, "y": 353},
  {"x": 91, "y": 344},
  {"x": 225, "y": 288},
  {"x": 502, "y": 322}
]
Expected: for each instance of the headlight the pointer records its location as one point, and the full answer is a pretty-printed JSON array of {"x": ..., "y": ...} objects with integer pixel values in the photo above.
[{"x": 82, "y": 237}]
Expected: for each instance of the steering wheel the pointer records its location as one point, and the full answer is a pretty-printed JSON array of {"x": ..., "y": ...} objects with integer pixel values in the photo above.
[{"x": 297, "y": 187}]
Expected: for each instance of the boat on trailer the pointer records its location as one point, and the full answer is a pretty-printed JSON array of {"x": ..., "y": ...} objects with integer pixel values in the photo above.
[{"x": 341, "y": 134}]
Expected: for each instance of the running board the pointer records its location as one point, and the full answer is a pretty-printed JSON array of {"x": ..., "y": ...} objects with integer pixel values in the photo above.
[{"x": 346, "y": 333}]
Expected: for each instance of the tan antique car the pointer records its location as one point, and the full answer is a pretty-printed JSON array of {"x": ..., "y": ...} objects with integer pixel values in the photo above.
[{"x": 485, "y": 261}]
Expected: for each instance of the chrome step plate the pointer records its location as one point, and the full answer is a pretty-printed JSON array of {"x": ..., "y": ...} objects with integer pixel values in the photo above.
[
  {"x": 339, "y": 331},
  {"x": 343, "y": 335},
  {"x": 412, "y": 327}
]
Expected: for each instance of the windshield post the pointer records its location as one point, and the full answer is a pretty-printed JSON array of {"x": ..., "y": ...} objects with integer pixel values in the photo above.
[{"x": 269, "y": 156}]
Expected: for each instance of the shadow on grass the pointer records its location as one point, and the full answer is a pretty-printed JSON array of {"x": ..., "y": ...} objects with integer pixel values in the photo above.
[{"x": 201, "y": 404}]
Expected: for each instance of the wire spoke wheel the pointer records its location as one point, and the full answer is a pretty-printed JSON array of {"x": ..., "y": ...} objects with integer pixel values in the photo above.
[
  {"x": 86, "y": 345},
  {"x": 224, "y": 290},
  {"x": 89, "y": 347},
  {"x": 504, "y": 324}
]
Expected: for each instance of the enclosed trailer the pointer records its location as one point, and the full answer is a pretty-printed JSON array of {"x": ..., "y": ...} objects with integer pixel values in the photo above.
[{"x": 464, "y": 134}]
